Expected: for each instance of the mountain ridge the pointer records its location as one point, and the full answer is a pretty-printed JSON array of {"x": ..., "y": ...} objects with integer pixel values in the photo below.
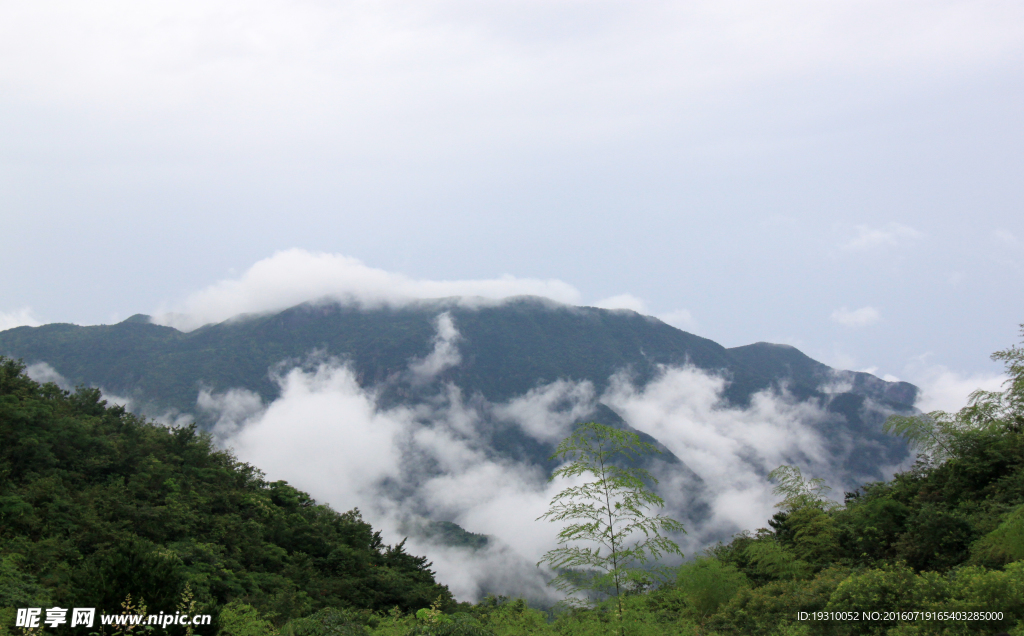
[
  {"x": 377, "y": 355},
  {"x": 503, "y": 350}
]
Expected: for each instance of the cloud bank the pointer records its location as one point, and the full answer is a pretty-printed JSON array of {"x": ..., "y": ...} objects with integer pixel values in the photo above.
[
  {"x": 943, "y": 389},
  {"x": 327, "y": 435},
  {"x": 18, "y": 318},
  {"x": 435, "y": 456},
  {"x": 295, "y": 276},
  {"x": 622, "y": 301},
  {"x": 731, "y": 449}
]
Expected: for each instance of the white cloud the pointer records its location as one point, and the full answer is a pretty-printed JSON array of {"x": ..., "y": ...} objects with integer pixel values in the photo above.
[
  {"x": 857, "y": 317},
  {"x": 334, "y": 68},
  {"x": 434, "y": 458},
  {"x": 445, "y": 353},
  {"x": 326, "y": 435},
  {"x": 547, "y": 413},
  {"x": 230, "y": 408},
  {"x": 295, "y": 276},
  {"x": 889, "y": 235},
  {"x": 681, "y": 318},
  {"x": 43, "y": 373},
  {"x": 945, "y": 390},
  {"x": 623, "y": 301},
  {"x": 18, "y": 318},
  {"x": 730, "y": 449}
]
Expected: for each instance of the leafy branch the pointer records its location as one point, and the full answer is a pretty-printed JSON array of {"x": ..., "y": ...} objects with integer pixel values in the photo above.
[{"x": 612, "y": 539}]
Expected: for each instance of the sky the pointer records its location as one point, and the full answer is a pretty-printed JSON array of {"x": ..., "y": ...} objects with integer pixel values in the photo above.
[{"x": 841, "y": 176}]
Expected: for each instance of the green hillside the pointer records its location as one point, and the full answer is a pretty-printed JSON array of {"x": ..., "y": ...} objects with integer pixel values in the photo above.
[{"x": 95, "y": 503}]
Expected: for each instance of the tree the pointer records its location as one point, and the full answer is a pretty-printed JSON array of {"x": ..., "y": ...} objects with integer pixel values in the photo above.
[
  {"x": 612, "y": 539},
  {"x": 798, "y": 492},
  {"x": 707, "y": 583},
  {"x": 239, "y": 619},
  {"x": 805, "y": 537}
]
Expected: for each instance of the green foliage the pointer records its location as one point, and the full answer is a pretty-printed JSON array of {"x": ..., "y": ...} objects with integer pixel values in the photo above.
[
  {"x": 892, "y": 587},
  {"x": 815, "y": 536},
  {"x": 96, "y": 503},
  {"x": 431, "y": 621},
  {"x": 18, "y": 588},
  {"x": 804, "y": 538},
  {"x": 503, "y": 616},
  {"x": 947, "y": 535},
  {"x": 959, "y": 503},
  {"x": 930, "y": 434},
  {"x": 773, "y": 561},
  {"x": 980, "y": 589},
  {"x": 946, "y": 435},
  {"x": 331, "y": 622},
  {"x": 707, "y": 583},
  {"x": 774, "y": 606},
  {"x": 458, "y": 624},
  {"x": 609, "y": 512},
  {"x": 1004, "y": 544},
  {"x": 239, "y": 619},
  {"x": 798, "y": 492},
  {"x": 899, "y": 588}
]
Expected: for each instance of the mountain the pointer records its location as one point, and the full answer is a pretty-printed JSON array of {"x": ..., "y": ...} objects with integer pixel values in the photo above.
[
  {"x": 507, "y": 349},
  {"x": 504, "y": 349}
]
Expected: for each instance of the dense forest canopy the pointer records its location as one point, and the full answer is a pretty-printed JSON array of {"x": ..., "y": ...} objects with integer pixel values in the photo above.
[{"x": 96, "y": 503}]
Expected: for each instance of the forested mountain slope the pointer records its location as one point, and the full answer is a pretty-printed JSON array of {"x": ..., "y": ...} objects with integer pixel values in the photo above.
[
  {"x": 506, "y": 350},
  {"x": 503, "y": 351},
  {"x": 95, "y": 503}
]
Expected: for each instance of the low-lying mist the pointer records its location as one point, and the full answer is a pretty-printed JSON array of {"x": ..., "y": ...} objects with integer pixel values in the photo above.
[
  {"x": 435, "y": 453},
  {"x": 436, "y": 457}
]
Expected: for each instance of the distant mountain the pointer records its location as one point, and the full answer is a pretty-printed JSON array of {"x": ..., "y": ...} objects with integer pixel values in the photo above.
[{"x": 505, "y": 350}]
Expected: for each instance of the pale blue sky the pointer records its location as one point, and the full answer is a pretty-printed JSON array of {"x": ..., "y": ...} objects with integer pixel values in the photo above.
[{"x": 843, "y": 176}]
